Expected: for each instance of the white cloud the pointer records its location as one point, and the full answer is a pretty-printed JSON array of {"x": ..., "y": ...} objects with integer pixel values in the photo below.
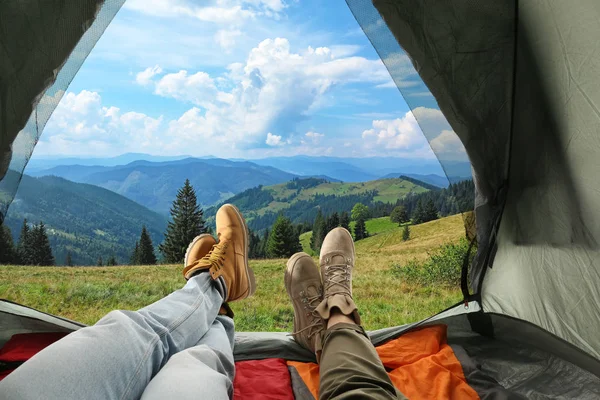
[
  {"x": 82, "y": 125},
  {"x": 226, "y": 38},
  {"x": 314, "y": 137},
  {"x": 198, "y": 88},
  {"x": 273, "y": 140},
  {"x": 145, "y": 77},
  {"x": 449, "y": 145},
  {"x": 213, "y": 13},
  {"x": 271, "y": 92},
  {"x": 400, "y": 133},
  {"x": 407, "y": 134}
]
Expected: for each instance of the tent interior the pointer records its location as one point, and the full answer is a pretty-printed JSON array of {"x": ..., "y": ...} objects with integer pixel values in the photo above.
[{"x": 518, "y": 83}]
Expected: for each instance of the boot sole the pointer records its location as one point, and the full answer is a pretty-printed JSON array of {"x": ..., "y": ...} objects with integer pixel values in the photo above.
[
  {"x": 249, "y": 271},
  {"x": 187, "y": 252},
  {"x": 289, "y": 269}
]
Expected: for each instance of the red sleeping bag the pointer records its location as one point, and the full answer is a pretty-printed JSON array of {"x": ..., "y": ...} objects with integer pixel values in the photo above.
[
  {"x": 22, "y": 347},
  {"x": 262, "y": 379}
]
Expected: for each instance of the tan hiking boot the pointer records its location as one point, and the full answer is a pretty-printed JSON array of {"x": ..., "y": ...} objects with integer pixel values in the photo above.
[
  {"x": 199, "y": 248},
  {"x": 303, "y": 285},
  {"x": 337, "y": 261},
  {"x": 229, "y": 258}
]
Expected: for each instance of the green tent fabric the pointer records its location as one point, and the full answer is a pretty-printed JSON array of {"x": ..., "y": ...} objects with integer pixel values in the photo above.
[{"x": 518, "y": 83}]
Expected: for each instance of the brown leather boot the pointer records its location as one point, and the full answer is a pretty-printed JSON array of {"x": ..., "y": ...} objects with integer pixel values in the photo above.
[
  {"x": 228, "y": 258},
  {"x": 200, "y": 247},
  {"x": 337, "y": 261},
  {"x": 303, "y": 285}
]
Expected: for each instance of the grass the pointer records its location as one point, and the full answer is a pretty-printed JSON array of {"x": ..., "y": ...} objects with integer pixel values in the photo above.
[
  {"x": 86, "y": 294},
  {"x": 388, "y": 191}
]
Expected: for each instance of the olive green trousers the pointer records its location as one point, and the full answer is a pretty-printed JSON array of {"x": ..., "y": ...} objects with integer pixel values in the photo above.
[{"x": 350, "y": 367}]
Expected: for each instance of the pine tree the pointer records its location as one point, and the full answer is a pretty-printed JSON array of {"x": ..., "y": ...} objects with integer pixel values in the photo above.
[
  {"x": 146, "y": 249},
  {"x": 254, "y": 242},
  {"x": 319, "y": 232},
  {"x": 419, "y": 213},
  {"x": 345, "y": 220},
  {"x": 333, "y": 221},
  {"x": 360, "y": 230},
  {"x": 7, "y": 246},
  {"x": 100, "y": 262},
  {"x": 40, "y": 252},
  {"x": 135, "y": 255},
  {"x": 112, "y": 261},
  {"x": 399, "y": 215},
  {"x": 430, "y": 212},
  {"x": 24, "y": 246},
  {"x": 283, "y": 241},
  {"x": 406, "y": 233},
  {"x": 187, "y": 222},
  {"x": 69, "y": 259},
  {"x": 263, "y": 244}
]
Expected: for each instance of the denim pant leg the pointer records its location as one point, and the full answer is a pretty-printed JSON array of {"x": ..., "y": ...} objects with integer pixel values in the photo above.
[
  {"x": 204, "y": 371},
  {"x": 117, "y": 357}
]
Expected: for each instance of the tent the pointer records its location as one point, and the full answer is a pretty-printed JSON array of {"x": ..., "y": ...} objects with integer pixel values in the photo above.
[{"x": 518, "y": 82}]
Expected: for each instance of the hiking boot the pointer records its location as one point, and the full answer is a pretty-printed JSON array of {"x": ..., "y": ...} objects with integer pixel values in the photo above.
[
  {"x": 199, "y": 248},
  {"x": 303, "y": 285},
  {"x": 228, "y": 259},
  {"x": 337, "y": 261}
]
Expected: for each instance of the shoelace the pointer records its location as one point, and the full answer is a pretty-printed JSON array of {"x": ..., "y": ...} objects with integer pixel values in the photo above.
[
  {"x": 337, "y": 275},
  {"x": 311, "y": 302},
  {"x": 215, "y": 257}
]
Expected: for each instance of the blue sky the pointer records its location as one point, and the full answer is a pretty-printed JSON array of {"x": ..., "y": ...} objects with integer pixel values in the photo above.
[{"x": 243, "y": 78}]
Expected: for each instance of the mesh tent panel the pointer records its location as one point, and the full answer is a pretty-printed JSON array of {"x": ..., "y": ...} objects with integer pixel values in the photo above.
[
  {"x": 451, "y": 46},
  {"x": 42, "y": 46},
  {"x": 518, "y": 84}
]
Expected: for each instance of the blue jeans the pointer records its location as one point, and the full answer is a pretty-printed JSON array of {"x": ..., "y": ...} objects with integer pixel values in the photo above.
[{"x": 178, "y": 347}]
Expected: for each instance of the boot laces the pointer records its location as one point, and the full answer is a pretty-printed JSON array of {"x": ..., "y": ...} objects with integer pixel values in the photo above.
[
  {"x": 337, "y": 278},
  {"x": 215, "y": 257},
  {"x": 316, "y": 323}
]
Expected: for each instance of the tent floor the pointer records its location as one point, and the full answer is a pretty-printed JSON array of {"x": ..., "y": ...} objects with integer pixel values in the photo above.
[{"x": 520, "y": 361}]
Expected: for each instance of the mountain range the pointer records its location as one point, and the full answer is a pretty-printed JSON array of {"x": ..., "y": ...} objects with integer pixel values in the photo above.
[
  {"x": 87, "y": 220},
  {"x": 153, "y": 181},
  {"x": 301, "y": 199}
]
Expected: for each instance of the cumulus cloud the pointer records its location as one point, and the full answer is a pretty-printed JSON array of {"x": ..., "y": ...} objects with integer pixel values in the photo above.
[
  {"x": 410, "y": 132},
  {"x": 400, "y": 133},
  {"x": 314, "y": 137},
  {"x": 273, "y": 140},
  {"x": 271, "y": 92},
  {"x": 198, "y": 88},
  {"x": 82, "y": 125},
  {"x": 211, "y": 11},
  {"x": 449, "y": 145},
  {"x": 145, "y": 77}
]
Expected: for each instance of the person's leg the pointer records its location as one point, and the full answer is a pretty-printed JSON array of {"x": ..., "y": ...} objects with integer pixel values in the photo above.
[
  {"x": 117, "y": 357},
  {"x": 350, "y": 367},
  {"x": 207, "y": 368}
]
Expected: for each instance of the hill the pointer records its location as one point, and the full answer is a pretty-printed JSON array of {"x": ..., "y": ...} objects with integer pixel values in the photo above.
[
  {"x": 383, "y": 299},
  {"x": 87, "y": 220},
  {"x": 155, "y": 184},
  {"x": 301, "y": 199},
  {"x": 361, "y": 169},
  {"x": 432, "y": 179}
]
